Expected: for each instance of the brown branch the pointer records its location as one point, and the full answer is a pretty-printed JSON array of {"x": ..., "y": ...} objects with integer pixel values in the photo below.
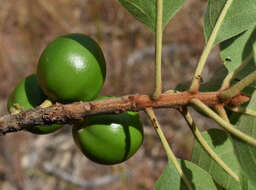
[{"x": 61, "y": 114}]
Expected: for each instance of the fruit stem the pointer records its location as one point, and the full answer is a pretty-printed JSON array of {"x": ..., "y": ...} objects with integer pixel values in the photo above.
[
  {"x": 229, "y": 127},
  {"x": 166, "y": 146},
  {"x": 238, "y": 87},
  {"x": 158, "y": 49},
  {"x": 196, "y": 78},
  {"x": 204, "y": 143}
]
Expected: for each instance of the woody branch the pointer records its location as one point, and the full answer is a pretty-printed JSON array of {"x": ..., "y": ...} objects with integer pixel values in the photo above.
[{"x": 62, "y": 114}]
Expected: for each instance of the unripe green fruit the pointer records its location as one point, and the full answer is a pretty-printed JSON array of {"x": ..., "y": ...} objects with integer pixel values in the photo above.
[
  {"x": 109, "y": 138},
  {"x": 28, "y": 95},
  {"x": 72, "y": 68}
]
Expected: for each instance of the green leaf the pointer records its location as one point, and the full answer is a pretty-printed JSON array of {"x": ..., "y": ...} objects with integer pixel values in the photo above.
[
  {"x": 239, "y": 49},
  {"x": 245, "y": 184},
  {"x": 240, "y": 16},
  {"x": 198, "y": 178},
  {"x": 145, "y": 10},
  {"x": 222, "y": 146},
  {"x": 246, "y": 153}
]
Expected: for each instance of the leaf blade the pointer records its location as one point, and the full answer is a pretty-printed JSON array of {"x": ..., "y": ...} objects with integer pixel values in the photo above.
[
  {"x": 171, "y": 180},
  {"x": 240, "y": 17},
  {"x": 246, "y": 154},
  {"x": 145, "y": 10},
  {"x": 218, "y": 140}
]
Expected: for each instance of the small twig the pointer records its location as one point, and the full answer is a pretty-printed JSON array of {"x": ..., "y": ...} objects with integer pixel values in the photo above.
[
  {"x": 205, "y": 145},
  {"x": 223, "y": 123},
  {"x": 166, "y": 146},
  {"x": 158, "y": 45},
  {"x": 97, "y": 182},
  {"x": 238, "y": 87},
  {"x": 196, "y": 79}
]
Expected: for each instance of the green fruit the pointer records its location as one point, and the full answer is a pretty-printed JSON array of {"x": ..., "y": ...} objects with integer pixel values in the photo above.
[
  {"x": 109, "y": 138},
  {"x": 72, "y": 68},
  {"x": 28, "y": 95}
]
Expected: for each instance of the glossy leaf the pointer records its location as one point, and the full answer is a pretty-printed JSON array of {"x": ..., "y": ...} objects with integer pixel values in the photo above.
[
  {"x": 222, "y": 146},
  {"x": 145, "y": 10},
  {"x": 240, "y": 16},
  {"x": 199, "y": 179}
]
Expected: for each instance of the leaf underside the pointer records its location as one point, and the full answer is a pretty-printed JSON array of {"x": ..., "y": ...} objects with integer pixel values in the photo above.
[
  {"x": 246, "y": 153},
  {"x": 240, "y": 16},
  {"x": 199, "y": 179},
  {"x": 222, "y": 146}
]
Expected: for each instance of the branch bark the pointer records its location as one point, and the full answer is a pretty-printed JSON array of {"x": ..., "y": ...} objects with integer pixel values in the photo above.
[{"x": 62, "y": 114}]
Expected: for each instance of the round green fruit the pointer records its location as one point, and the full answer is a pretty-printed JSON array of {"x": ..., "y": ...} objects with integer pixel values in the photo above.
[
  {"x": 109, "y": 138},
  {"x": 72, "y": 68},
  {"x": 28, "y": 95}
]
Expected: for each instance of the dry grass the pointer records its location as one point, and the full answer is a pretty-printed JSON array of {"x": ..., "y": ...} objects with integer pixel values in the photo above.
[{"x": 28, "y": 25}]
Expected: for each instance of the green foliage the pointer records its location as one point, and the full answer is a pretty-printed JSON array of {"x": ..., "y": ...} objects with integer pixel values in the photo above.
[
  {"x": 240, "y": 17},
  {"x": 198, "y": 178},
  {"x": 237, "y": 38},
  {"x": 246, "y": 153},
  {"x": 222, "y": 146},
  {"x": 245, "y": 183},
  {"x": 240, "y": 49},
  {"x": 145, "y": 10},
  {"x": 237, "y": 34}
]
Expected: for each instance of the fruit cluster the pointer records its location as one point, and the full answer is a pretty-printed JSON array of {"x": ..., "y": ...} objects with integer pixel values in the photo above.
[{"x": 72, "y": 68}]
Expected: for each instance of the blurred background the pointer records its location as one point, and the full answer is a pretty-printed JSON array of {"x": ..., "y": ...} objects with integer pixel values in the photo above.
[{"x": 53, "y": 162}]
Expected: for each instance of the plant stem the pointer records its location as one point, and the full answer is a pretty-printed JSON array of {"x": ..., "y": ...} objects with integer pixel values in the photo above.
[
  {"x": 196, "y": 79},
  {"x": 205, "y": 145},
  {"x": 238, "y": 87},
  {"x": 158, "y": 50},
  {"x": 229, "y": 127},
  {"x": 221, "y": 111},
  {"x": 166, "y": 146}
]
